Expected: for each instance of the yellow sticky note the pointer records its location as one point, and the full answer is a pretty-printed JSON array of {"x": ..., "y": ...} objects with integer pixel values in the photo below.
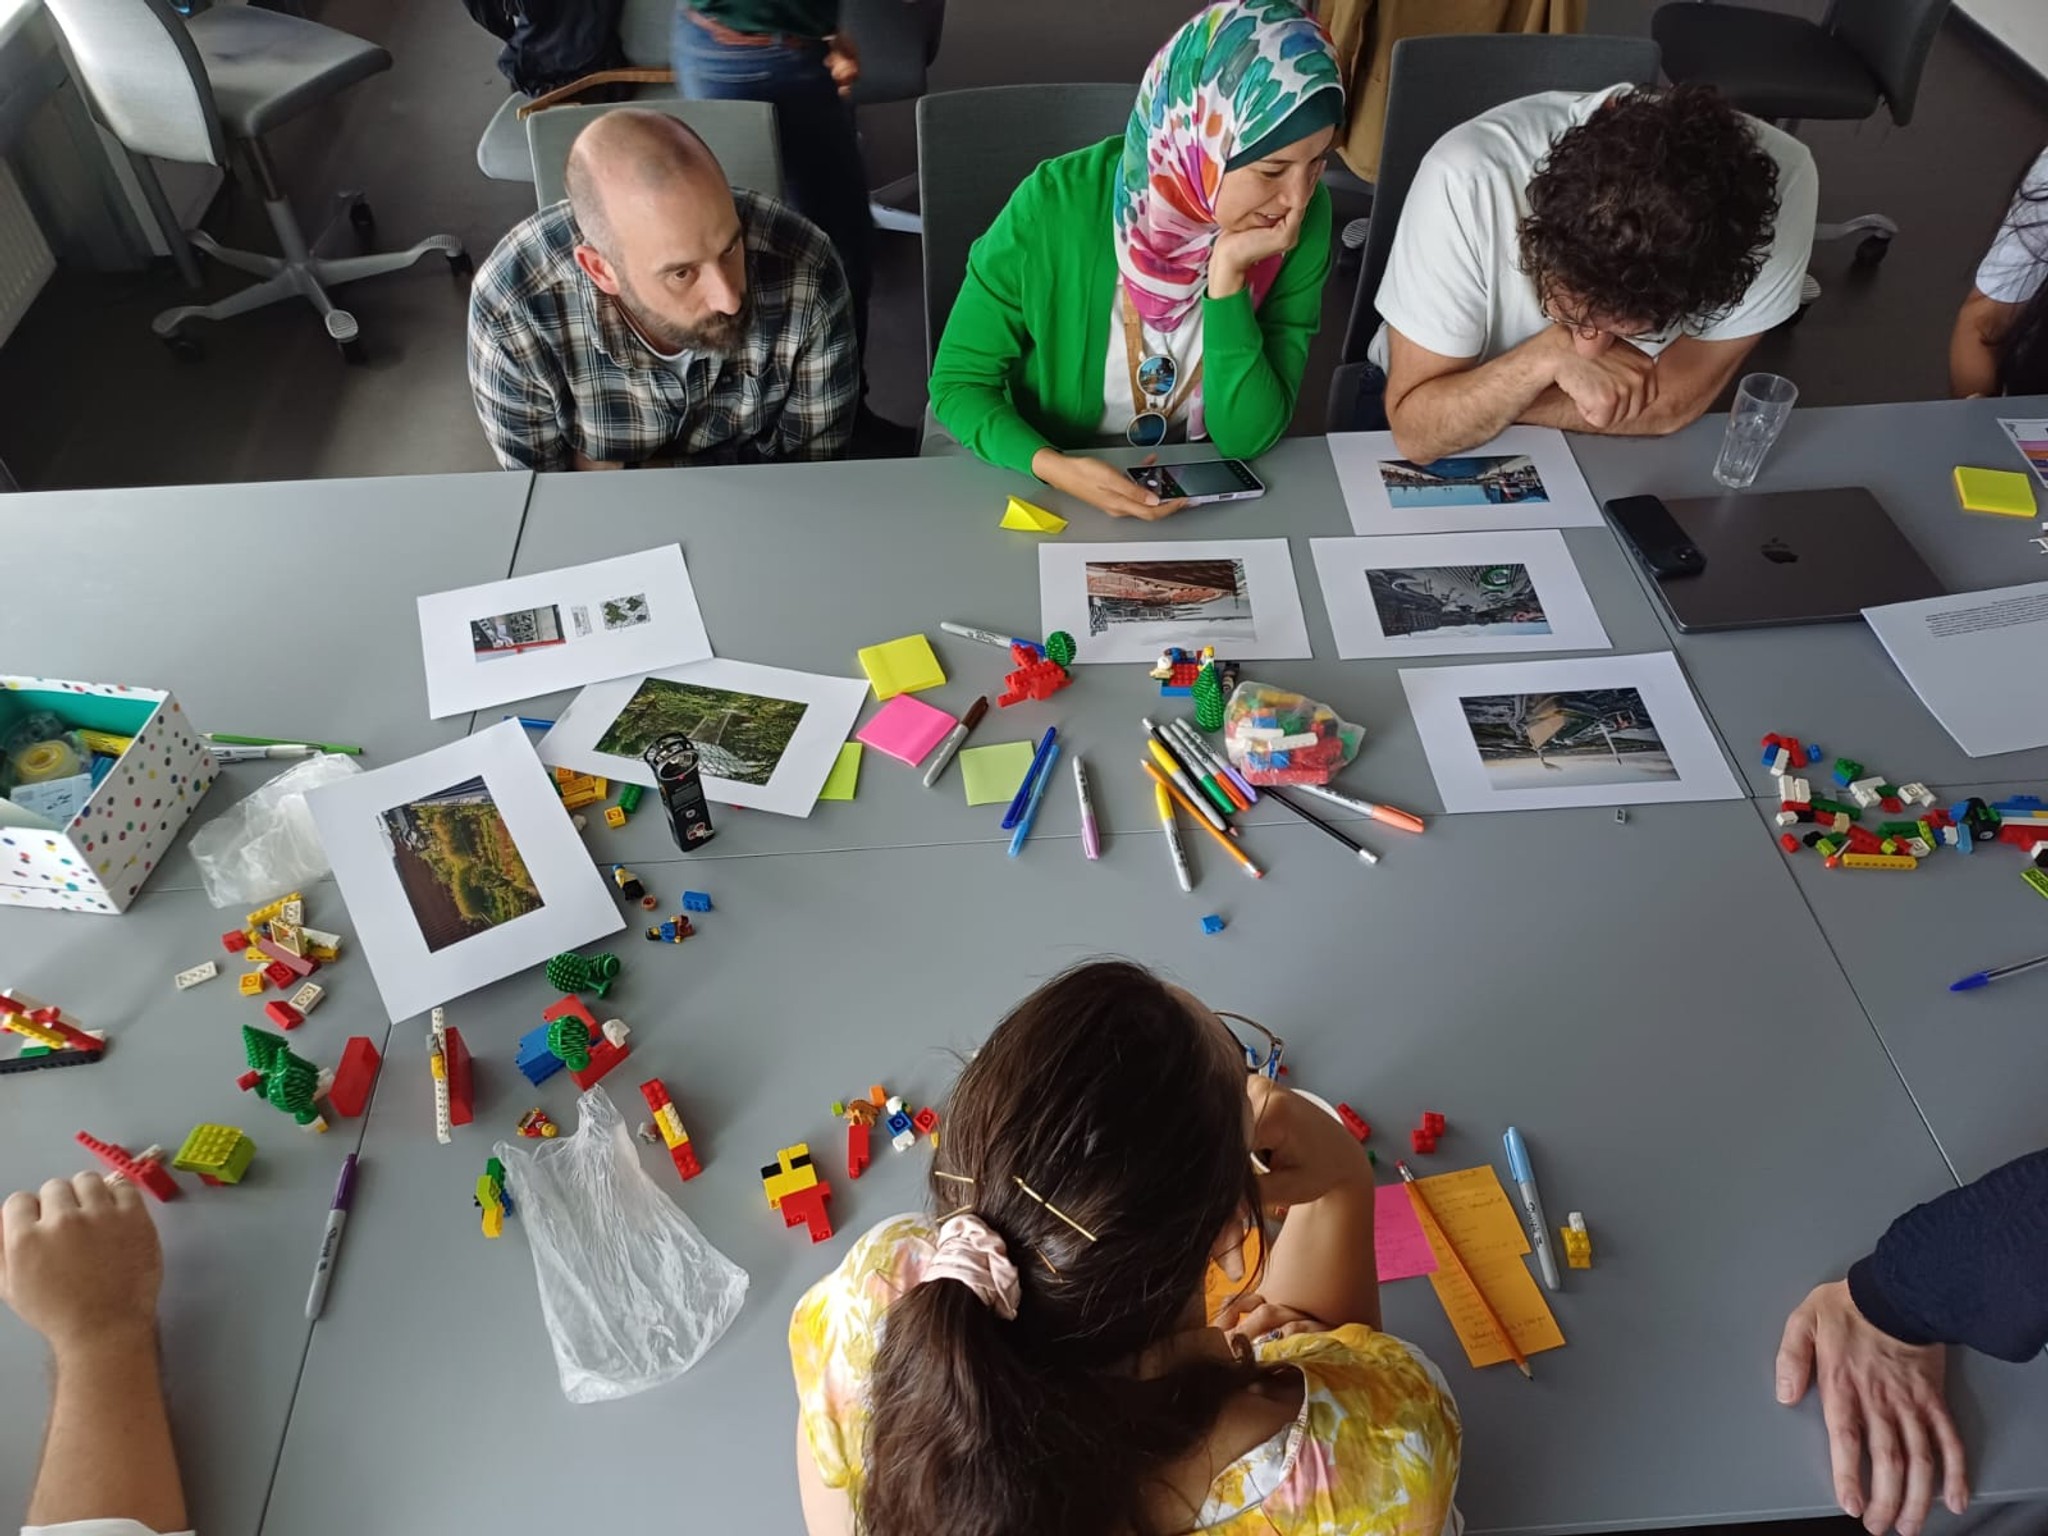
[
  {"x": 845, "y": 775},
  {"x": 2003, "y": 491},
  {"x": 1023, "y": 517},
  {"x": 994, "y": 772},
  {"x": 901, "y": 666},
  {"x": 1469, "y": 1220}
]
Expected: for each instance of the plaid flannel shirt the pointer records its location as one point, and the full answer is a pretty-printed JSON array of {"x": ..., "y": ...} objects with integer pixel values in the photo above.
[{"x": 557, "y": 370}]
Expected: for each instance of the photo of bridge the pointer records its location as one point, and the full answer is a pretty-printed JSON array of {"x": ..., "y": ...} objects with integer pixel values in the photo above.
[
  {"x": 1210, "y": 594},
  {"x": 1462, "y": 600},
  {"x": 1552, "y": 740},
  {"x": 1481, "y": 480}
]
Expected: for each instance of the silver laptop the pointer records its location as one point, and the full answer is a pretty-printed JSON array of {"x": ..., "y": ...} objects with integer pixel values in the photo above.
[{"x": 1791, "y": 557}]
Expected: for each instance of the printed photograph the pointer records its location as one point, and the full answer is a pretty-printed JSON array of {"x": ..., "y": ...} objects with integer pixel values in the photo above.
[
  {"x": 737, "y": 735},
  {"x": 625, "y": 612},
  {"x": 1459, "y": 600},
  {"x": 1484, "y": 480},
  {"x": 1211, "y": 595},
  {"x": 1564, "y": 740},
  {"x": 511, "y": 634},
  {"x": 457, "y": 864}
]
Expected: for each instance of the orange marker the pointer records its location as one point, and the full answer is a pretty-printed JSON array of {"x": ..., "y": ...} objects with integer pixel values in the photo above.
[{"x": 1231, "y": 848}]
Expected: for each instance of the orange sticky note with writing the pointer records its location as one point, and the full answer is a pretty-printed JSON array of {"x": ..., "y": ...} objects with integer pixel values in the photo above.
[{"x": 1474, "y": 1216}]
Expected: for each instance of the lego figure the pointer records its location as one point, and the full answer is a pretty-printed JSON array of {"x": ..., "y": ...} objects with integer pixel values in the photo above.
[
  {"x": 536, "y": 1124},
  {"x": 629, "y": 886}
]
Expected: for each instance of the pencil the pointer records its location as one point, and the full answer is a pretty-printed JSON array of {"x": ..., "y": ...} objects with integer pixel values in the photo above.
[
  {"x": 1234, "y": 851},
  {"x": 1429, "y": 1222},
  {"x": 1364, "y": 853}
]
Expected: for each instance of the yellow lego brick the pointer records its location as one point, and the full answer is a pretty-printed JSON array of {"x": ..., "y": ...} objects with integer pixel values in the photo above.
[
  {"x": 220, "y": 1152},
  {"x": 575, "y": 800},
  {"x": 27, "y": 1027},
  {"x": 670, "y": 1124},
  {"x": 614, "y": 817},
  {"x": 264, "y": 914},
  {"x": 1879, "y": 861},
  {"x": 251, "y": 983},
  {"x": 1578, "y": 1243},
  {"x": 788, "y": 1179}
]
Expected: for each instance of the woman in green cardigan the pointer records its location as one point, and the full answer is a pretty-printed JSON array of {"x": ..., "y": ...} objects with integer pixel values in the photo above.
[{"x": 1165, "y": 284}]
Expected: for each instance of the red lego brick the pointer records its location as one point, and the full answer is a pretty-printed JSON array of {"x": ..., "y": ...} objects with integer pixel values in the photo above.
[
  {"x": 284, "y": 1015},
  {"x": 298, "y": 965},
  {"x": 352, "y": 1079},
  {"x": 234, "y": 941},
  {"x": 1433, "y": 1123},
  {"x": 1788, "y": 842},
  {"x": 1891, "y": 804},
  {"x": 1422, "y": 1141},
  {"x": 1772, "y": 740},
  {"x": 857, "y": 1158},
  {"x": 1353, "y": 1122},
  {"x": 808, "y": 1205},
  {"x": 280, "y": 975},
  {"x": 1795, "y": 805},
  {"x": 925, "y": 1121},
  {"x": 603, "y": 1057},
  {"x": 145, "y": 1173},
  {"x": 571, "y": 1006},
  {"x": 248, "y": 1080},
  {"x": 460, "y": 1111}
]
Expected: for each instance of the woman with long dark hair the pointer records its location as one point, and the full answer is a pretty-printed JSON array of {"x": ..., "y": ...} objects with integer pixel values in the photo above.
[
  {"x": 2000, "y": 342},
  {"x": 1036, "y": 1357}
]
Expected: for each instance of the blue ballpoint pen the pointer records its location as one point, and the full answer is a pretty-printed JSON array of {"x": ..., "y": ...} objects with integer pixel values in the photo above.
[
  {"x": 1532, "y": 1203},
  {"x": 1984, "y": 978},
  {"x": 1031, "y": 806},
  {"x": 1030, "y": 778}
]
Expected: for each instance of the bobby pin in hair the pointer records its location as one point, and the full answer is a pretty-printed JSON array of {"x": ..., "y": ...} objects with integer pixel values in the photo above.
[
  {"x": 1063, "y": 1216},
  {"x": 956, "y": 1211},
  {"x": 957, "y": 1178}
]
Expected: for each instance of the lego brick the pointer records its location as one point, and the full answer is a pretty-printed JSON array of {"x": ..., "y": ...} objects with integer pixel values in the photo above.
[
  {"x": 219, "y": 1154},
  {"x": 629, "y": 798},
  {"x": 144, "y": 1170},
  {"x": 276, "y": 908},
  {"x": 252, "y": 983},
  {"x": 808, "y": 1206},
  {"x": 350, "y": 1091},
  {"x": 1353, "y": 1122},
  {"x": 287, "y": 937},
  {"x": 791, "y": 1171},
  {"x": 696, "y": 901},
  {"x": 1578, "y": 1243},
  {"x": 1433, "y": 1123},
  {"x": 925, "y": 1121},
  {"x": 857, "y": 1149},
  {"x": 283, "y": 1014},
  {"x": 234, "y": 941},
  {"x": 605, "y": 1054},
  {"x": 206, "y": 970},
  {"x": 299, "y": 965},
  {"x": 1212, "y": 924},
  {"x": 308, "y": 997},
  {"x": 460, "y": 1108},
  {"x": 34, "y": 1061},
  {"x": 2037, "y": 878},
  {"x": 614, "y": 817},
  {"x": 1899, "y": 861},
  {"x": 536, "y": 1063},
  {"x": 280, "y": 975}
]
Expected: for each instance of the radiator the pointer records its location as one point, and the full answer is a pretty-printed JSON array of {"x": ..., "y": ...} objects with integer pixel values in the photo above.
[{"x": 25, "y": 259}]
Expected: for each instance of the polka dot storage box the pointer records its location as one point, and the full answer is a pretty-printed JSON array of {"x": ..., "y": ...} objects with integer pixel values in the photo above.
[{"x": 101, "y": 858}]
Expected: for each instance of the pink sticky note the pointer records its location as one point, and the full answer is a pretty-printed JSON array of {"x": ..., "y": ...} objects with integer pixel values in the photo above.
[
  {"x": 1397, "y": 1240},
  {"x": 906, "y": 729}
]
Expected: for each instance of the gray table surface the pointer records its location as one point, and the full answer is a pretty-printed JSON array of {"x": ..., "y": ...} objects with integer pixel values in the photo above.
[
  {"x": 1727, "y": 1155},
  {"x": 1834, "y": 683},
  {"x": 802, "y": 567},
  {"x": 275, "y": 609},
  {"x": 237, "y": 1260}
]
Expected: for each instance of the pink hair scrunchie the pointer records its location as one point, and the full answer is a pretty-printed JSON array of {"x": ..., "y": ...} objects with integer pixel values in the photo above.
[{"x": 970, "y": 1252}]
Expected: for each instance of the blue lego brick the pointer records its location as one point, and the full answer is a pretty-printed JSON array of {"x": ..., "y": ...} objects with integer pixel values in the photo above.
[
  {"x": 696, "y": 901},
  {"x": 2018, "y": 805},
  {"x": 535, "y": 1061},
  {"x": 1814, "y": 754},
  {"x": 1212, "y": 924},
  {"x": 899, "y": 1123},
  {"x": 1168, "y": 691},
  {"x": 1770, "y": 756}
]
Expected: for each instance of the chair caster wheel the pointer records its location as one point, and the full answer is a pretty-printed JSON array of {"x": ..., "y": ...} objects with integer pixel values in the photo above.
[
  {"x": 1873, "y": 249},
  {"x": 185, "y": 349},
  {"x": 352, "y": 351},
  {"x": 362, "y": 218},
  {"x": 461, "y": 266}
]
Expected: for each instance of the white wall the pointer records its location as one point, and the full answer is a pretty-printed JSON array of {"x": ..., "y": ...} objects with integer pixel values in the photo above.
[{"x": 2022, "y": 25}]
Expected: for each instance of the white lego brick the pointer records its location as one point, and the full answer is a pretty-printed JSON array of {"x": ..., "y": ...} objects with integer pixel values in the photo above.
[
  {"x": 1802, "y": 791},
  {"x": 1787, "y": 818},
  {"x": 1785, "y": 783},
  {"x": 307, "y": 998},
  {"x": 205, "y": 971}
]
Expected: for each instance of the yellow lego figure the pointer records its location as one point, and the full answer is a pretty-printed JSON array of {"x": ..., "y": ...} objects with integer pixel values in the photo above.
[
  {"x": 219, "y": 1154},
  {"x": 791, "y": 1172},
  {"x": 1578, "y": 1242}
]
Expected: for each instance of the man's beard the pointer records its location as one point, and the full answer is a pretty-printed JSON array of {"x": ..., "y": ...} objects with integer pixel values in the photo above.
[{"x": 719, "y": 336}]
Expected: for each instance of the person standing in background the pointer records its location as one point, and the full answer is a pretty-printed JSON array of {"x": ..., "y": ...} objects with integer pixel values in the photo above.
[{"x": 792, "y": 55}]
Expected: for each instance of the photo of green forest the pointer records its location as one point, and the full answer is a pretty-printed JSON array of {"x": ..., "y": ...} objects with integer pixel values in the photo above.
[
  {"x": 457, "y": 863},
  {"x": 739, "y": 736}
]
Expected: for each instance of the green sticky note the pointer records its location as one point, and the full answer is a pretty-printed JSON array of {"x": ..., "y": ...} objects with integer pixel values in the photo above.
[
  {"x": 994, "y": 772},
  {"x": 901, "y": 666},
  {"x": 845, "y": 774}
]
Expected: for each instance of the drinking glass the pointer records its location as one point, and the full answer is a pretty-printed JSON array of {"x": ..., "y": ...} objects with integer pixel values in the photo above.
[{"x": 1763, "y": 402}]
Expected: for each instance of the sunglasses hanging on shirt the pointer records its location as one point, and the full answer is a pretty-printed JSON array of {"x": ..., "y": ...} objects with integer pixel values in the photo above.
[{"x": 1153, "y": 400}]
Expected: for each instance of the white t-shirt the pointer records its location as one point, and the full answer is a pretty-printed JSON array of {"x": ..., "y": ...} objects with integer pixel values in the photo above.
[
  {"x": 1184, "y": 346},
  {"x": 2013, "y": 269},
  {"x": 1454, "y": 282}
]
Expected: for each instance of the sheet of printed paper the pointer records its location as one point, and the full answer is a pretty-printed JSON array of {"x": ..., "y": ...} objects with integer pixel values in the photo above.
[
  {"x": 530, "y": 635},
  {"x": 1473, "y": 1217},
  {"x": 459, "y": 867},
  {"x": 1454, "y": 594},
  {"x": 1592, "y": 730},
  {"x": 1525, "y": 478},
  {"x": 2031, "y": 438},
  {"x": 1128, "y": 602},
  {"x": 1399, "y": 1247},
  {"x": 766, "y": 737},
  {"x": 1975, "y": 659}
]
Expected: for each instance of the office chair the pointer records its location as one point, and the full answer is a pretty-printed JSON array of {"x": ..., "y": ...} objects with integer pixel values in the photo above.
[
  {"x": 503, "y": 153},
  {"x": 1433, "y": 85},
  {"x": 183, "y": 90},
  {"x": 1786, "y": 68},
  {"x": 898, "y": 40},
  {"x": 740, "y": 133}
]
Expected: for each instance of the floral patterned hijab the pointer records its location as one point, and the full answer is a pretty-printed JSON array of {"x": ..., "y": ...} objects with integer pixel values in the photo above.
[{"x": 1224, "y": 82}]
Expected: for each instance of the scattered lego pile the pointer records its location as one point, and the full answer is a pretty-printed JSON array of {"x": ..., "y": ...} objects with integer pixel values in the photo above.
[
  {"x": 1200, "y": 675},
  {"x": 1921, "y": 826},
  {"x": 1276, "y": 736},
  {"x": 285, "y": 954},
  {"x": 581, "y": 789},
  {"x": 1041, "y": 669}
]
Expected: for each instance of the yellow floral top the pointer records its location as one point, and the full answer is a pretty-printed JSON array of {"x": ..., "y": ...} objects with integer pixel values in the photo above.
[{"x": 1374, "y": 1451}]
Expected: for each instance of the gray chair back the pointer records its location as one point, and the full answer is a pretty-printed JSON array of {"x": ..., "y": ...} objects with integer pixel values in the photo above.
[
  {"x": 1893, "y": 39},
  {"x": 646, "y": 28},
  {"x": 897, "y": 39},
  {"x": 1436, "y": 83},
  {"x": 144, "y": 76},
  {"x": 740, "y": 133},
  {"x": 973, "y": 150}
]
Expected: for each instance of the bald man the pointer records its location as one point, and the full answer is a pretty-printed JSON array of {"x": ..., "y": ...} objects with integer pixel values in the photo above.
[{"x": 660, "y": 316}]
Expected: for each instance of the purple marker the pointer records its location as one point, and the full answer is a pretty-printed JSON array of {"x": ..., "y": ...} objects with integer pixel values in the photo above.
[{"x": 330, "y": 1240}]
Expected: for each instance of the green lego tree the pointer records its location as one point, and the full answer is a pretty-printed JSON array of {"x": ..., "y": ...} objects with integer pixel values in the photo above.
[
  {"x": 569, "y": 1042},
  {"x": 1208, "y": 696},
  {"x": 571, "y": 972},
  {"x": 1059, "y": 646},
  {"x": 286, "y": 1078}
]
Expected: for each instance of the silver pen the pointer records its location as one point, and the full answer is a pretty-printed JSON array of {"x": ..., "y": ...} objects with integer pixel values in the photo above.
[{"x": 257, "y": 754}]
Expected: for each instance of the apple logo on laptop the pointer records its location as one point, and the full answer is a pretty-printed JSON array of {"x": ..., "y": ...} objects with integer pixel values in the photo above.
[{"x": 1778, "y": 552}]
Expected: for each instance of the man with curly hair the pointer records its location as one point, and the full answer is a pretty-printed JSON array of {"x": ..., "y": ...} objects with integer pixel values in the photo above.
[{"x": 1600, "y": 263}]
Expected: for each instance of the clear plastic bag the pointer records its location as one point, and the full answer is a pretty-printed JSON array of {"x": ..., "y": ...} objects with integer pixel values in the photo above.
[
  {"x": 631, "y": 1292},
  {"x": 265, "y": 844},
  {"x": 1277, "y": 736}
]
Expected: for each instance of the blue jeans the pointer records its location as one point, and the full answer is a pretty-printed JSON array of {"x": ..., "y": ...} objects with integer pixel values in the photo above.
[{"x": 821, "y": 164}]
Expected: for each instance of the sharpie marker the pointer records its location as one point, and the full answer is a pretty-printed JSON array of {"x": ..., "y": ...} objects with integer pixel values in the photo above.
[
  {"x": 1173, "y": 842},
  {"x": 1532, "y": 1204},
  {"x": 257, "y": 754},
  {"x": 1091, "y": 834},
  {"x": 1405, "y": 820},
  {"x": 982, "y": 636},
  {"x": 330, "y": 1239},
  {"x": 953, "y": 739}
]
